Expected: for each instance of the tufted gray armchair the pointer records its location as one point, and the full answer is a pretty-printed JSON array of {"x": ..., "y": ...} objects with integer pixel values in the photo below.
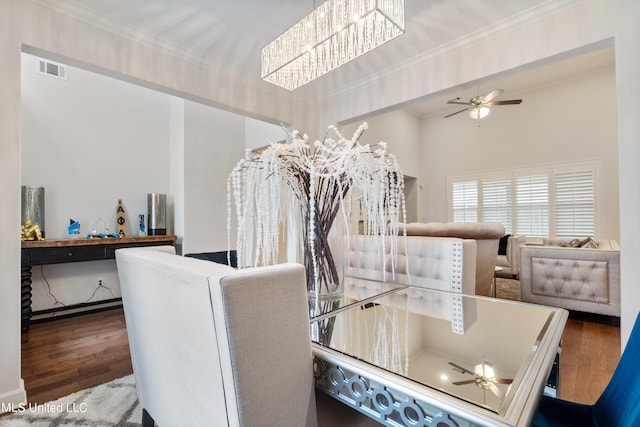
[{"x": 581, "y": 279}]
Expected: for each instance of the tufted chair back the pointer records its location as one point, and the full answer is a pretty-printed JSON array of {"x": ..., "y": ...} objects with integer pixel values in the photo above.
[
  {"x": 485, "y": 234},
  {"x": 443, "y": 263}
]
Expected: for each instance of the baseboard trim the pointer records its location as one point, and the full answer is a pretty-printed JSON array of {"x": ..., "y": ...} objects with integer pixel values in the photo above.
[
  {"x": 603, "y": 319},
  {"x": 13, "y": 400},
  {"x": 75, "y": 310}
]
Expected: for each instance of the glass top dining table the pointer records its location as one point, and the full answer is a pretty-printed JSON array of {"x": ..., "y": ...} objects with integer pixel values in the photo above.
[{"x": 406, "y": 355}]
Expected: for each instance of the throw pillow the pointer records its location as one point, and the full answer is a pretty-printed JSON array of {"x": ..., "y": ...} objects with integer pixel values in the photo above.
[
  {"x": 575, "y": 243},
  {"x": 589, "y": 243},
  {"x": 502, "y": 244}
]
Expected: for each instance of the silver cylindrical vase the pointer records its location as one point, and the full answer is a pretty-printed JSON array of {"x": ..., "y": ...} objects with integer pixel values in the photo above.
[
  {"x": 157, "y": 214},
  {"x": 33, "y": 206}
]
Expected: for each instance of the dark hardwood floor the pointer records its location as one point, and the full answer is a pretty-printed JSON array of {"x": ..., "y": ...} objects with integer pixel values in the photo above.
[
  {"x": 66, "y": 355},
  {"x": 590, "y": 354},
  {"x": 62, "y": 356}
]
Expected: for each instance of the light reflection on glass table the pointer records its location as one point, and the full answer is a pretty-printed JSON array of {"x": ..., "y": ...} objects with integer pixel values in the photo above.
[
  {"x": 357, "y": 291},
  {"x": 468, "y": 360}
]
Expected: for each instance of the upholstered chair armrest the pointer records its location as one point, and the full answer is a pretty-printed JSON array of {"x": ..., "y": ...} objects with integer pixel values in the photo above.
[{"x": 513, "y": 252}]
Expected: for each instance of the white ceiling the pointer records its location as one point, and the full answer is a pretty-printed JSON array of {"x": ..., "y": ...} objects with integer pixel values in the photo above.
[
  {"x": 228, "y": 36},
  {"x": 517, "y": 83}
]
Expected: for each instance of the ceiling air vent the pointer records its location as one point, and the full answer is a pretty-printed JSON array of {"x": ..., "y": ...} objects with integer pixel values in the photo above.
[{"x": 52, "y": 69}]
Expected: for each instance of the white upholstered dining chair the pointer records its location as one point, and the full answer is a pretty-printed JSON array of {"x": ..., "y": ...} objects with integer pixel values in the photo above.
[{"x": 215, "y": 346}]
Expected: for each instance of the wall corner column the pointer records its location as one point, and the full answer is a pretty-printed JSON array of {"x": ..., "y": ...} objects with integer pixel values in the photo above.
[{"x": 12, "y": 391}]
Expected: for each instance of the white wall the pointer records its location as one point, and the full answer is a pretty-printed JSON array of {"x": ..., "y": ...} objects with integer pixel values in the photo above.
[
  {"x": 570, "y": 121},
  {"x": 89, "y": 141},
  {"x": 215, "y": 142},
  {"x": 176, "y": 196},
  {"x": 556, "y": 123},
  {"x": 259, "y": 133},
  {"x": 11, "y": 385},
  {"x": 401, "y": 131},
  {"x": 627, "y": 72}
]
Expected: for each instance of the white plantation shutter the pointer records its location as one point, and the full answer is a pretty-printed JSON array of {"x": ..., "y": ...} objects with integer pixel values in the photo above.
[
  {"x": 464, "y": 201},
  {"x": 574, "y": 203},
  {"x": 544, "y": 201},
  {"x": 532, "y": 205},
  {"x": 496, "y": 201}
]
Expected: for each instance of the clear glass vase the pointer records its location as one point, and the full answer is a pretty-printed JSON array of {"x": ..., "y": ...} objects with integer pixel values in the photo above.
[{"x": 325, "y": 279}]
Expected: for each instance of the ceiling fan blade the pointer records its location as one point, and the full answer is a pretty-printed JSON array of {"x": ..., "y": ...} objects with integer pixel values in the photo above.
[
  {"x": 494, "y": 388},
  {"x": 457, "y": 112},
  {"x": 457, "y": 102},
  {"x": 507, "y": 102},
  {"x": 492, "y": 95},
  {"x": 503, "y": 380},
  {"x": 463, "y": 382},
  {"x": 460, "y": 368}
]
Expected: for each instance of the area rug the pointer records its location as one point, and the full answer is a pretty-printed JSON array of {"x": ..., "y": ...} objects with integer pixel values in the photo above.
[
  {"x": 108, "y": 405},
  {"x": 507, "y": 289}
]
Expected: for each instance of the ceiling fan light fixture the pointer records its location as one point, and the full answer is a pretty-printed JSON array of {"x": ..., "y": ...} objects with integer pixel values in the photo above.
[
  {"x": 484, "y": 370},
  {"x": 479, "y": 112},
  {"x": 478, "y": 106},
  {"x": 331, "y": 35}
]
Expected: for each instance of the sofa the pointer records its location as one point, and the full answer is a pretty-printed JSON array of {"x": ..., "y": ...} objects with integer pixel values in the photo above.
[
  {"x": 215, "y": 346},
  {"x": 509, "y": 260},
  {"x": 443, "y": 263},
  {"x": 565, "y": 273},
  {"x": 486, "y": 236}
]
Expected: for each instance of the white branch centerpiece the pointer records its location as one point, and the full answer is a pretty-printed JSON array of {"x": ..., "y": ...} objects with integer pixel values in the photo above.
[{"x": 299, "y": 189}]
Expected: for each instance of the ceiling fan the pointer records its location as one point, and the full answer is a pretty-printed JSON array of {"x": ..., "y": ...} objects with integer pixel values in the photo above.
[
  {"x": 478, "y": 106},
  {"x": 484, "y": 377}
]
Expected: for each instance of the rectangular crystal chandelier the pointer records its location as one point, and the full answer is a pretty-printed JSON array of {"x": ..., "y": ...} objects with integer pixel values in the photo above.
[{"x": 330, "y": 36}]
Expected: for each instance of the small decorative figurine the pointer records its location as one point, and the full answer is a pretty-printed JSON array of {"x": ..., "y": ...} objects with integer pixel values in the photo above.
[
  {"x": 30, "y": 231},
  {"x": 120, "y": 218},
  {"x": 74, "y": 228},
  {"x": 143, "y": 228}
]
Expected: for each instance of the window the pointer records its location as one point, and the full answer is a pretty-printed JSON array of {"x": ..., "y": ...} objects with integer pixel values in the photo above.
[
  {"x": 552, "y": 201},
  {"x": 496, "y": 201},
  {"x": 574, "y": 203},
  {"x": 532, "y": 205},
  {"x": 465, "y": 201}
]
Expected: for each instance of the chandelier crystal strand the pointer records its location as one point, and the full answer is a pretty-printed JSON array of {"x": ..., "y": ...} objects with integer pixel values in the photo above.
[{"x": 331, "y": 35}]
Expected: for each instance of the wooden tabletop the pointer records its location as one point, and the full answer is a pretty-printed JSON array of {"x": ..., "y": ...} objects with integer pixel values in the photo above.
[{"x": 94, "y": 241}]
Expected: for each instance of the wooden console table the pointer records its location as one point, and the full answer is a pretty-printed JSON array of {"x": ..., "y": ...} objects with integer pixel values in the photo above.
[{"x": 45, "y": 252}]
